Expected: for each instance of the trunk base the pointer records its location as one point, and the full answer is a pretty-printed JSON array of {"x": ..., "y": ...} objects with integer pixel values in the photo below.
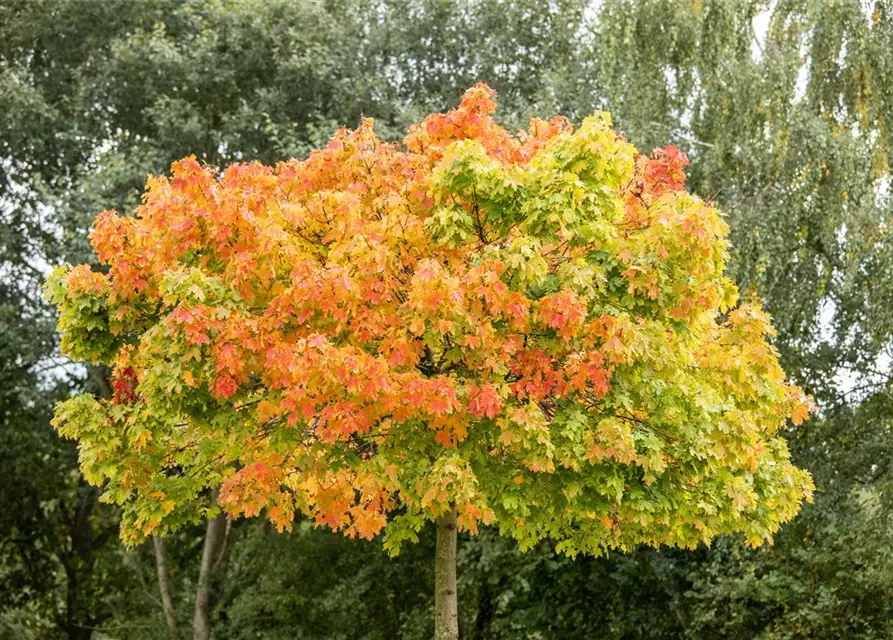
[{"x": 446, "y": 617}]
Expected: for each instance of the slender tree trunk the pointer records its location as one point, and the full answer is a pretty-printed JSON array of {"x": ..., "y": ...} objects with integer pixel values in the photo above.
[
  {"x": 201, "y": 620},
  {"x": 446, "y": 614},
  {"x": 164, "y": 586}
]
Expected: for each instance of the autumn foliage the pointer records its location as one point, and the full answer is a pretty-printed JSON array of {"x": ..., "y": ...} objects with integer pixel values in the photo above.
[{"x": 533, "y": 329}]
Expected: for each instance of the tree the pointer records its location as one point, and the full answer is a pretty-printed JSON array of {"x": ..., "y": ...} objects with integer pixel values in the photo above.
[
  {"x": 532, "y": 331},
  {"x": 786, "y": 128}
]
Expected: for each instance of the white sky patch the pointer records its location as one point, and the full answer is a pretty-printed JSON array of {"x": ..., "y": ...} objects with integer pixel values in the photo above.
[
  {"x": 868, "y": 7},
  {"x": 590, "y": 13},
  {"x": 883, "y": 188},
  {"x": 760, "y": 24},
  {"x": 854, "y": 385},
  {"x": 802, "y": 82},
  {"x": 857, "y": 386}
]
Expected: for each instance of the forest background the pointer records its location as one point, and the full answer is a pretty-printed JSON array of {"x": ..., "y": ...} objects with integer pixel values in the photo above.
[{"x": 785, "y": 109}]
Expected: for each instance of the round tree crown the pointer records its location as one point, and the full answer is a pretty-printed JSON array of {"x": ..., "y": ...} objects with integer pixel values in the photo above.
[{"x": 534, "y": 330}]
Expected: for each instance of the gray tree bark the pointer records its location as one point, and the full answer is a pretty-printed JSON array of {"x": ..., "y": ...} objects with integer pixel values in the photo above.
[
  {"x": 201, "y": 619},
  {"x": 446, "y": 608},
  {"x": 165, "y": 587}
]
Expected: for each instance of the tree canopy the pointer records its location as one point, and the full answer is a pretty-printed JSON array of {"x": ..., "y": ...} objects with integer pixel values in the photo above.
[{"x": 535, "y": 331}]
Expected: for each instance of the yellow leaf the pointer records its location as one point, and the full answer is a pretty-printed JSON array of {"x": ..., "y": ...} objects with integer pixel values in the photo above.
[{"x": 800, "y": 414}]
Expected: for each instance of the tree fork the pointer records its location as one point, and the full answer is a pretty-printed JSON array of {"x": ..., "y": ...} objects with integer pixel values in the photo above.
[{"x": 446, "y": 617}]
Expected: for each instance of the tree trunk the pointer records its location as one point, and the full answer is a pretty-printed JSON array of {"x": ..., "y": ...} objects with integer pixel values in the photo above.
[
  {"x": 446, "y": 616},
  {"x": 201, "y": 620},
  {"x": 164, "y": 586}
]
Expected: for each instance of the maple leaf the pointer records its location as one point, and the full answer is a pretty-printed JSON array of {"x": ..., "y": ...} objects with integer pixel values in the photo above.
[
  {"x": 225, "y": 387},
  {"x": 124, "y": 386},
  {"x": 484, "y": 401},
  {"x": 800, "y": 414}
]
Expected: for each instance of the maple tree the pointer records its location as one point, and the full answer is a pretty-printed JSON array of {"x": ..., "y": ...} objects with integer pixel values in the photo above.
[{"x": 529, "y": 331}]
